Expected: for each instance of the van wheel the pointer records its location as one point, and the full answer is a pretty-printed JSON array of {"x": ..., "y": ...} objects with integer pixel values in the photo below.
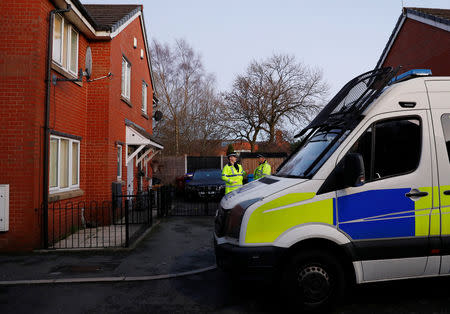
[{"x": 313, "y": 280}]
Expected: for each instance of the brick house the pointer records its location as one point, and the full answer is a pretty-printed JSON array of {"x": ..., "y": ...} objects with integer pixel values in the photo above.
[
  {"x": 420, "y": 39},
  {"x": 63, "y": 139}
]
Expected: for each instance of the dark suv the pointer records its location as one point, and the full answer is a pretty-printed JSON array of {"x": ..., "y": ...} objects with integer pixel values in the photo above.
[{"x": 206, "y": 183}]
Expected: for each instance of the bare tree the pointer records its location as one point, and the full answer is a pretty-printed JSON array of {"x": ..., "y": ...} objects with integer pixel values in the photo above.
[
  {"x": 187, "y": 97},
  {"x": 273, "y": 93},
  {"x": 243, "y": 108},
  {"x": 207, "y": 117}
]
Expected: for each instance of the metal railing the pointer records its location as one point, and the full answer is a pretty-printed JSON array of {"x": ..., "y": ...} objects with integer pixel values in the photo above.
[
  {"x": 181, "y": 203},
  {"x": 117, "y": 223},
  {"x": 107, "y": 224}
]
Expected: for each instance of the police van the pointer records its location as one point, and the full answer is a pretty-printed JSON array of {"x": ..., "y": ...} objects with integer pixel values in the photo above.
[{"x": 365, "y": 197}]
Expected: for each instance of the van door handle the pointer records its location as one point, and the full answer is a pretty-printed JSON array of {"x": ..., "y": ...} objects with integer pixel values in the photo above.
[
  {"x": 416, "y": 194},
  {"x": 447, "y": 192}
]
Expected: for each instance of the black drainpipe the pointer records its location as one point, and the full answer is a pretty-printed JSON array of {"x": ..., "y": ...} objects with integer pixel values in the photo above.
[{"x": 48, "y": 80}]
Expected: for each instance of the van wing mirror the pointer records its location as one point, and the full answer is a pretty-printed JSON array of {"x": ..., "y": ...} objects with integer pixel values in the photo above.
[{"x": 353, "y": 170}]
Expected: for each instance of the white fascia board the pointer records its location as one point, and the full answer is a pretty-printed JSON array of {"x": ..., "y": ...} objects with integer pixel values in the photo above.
[
  {"x": 135, "y": 138},
  {"x": 156, "y": 145},
  {"x": 417, "y": 18},
  {"x": 386, "y": 52},
  {"x": 102, "y": 34},
  {"x": 429, "y": 22},
  {"x": 124, "y": 25},
  {"x": 81, "y": 17},
  {"x": 147, "y": 51}
]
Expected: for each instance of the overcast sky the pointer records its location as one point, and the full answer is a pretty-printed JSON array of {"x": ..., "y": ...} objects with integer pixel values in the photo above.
[{"x": 344, "y": 38}]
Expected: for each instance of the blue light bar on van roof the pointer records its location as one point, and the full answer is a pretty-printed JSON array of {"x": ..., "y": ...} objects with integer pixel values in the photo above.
[{"x": 410, "y": 74}]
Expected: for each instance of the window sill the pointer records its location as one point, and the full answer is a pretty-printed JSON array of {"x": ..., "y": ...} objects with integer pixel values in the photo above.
[
  {"x": 127, "y": 101},
  {"x": 66, "y": 74},
  {"x": 144, "y": 115},
  {"x": 59, "y": 196}
]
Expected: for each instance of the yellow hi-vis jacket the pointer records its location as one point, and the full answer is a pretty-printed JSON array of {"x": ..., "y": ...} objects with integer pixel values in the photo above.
[
  {"x": 262, "y": 170},
  {"x": 233, "y": 178}
]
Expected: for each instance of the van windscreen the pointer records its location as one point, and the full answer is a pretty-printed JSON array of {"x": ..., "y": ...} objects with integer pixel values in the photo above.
[{"x": 316, "y": 150}]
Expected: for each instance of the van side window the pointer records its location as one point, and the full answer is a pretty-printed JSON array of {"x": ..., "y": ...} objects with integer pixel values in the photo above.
[
  {"x": 390, "y": 148},
  {"x": 445, "y": 120},
  {"x": 398, "y": 145}
]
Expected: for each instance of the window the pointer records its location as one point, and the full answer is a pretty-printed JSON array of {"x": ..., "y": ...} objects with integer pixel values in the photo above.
[
  {"x": 64, "y": 164},
  {"x": 126, "y": 78},
  {"x": 119, "y": 162},
  {"x": 65, "y": 45},
  {"x": 313, "y": 154},
  {"x": 390, "y": 148},
  {"x": 144, "y": 97}
]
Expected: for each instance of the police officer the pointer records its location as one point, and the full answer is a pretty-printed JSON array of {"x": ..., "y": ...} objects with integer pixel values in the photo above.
[
  {"x": 264, "y": 169},
  {"x": 232, "y": 174}
]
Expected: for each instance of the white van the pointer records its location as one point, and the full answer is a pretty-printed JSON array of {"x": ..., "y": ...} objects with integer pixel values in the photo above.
[{"x": 366, "y": 196}]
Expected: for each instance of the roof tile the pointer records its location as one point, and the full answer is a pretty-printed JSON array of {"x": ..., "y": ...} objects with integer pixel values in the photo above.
[
  {"x": 109, "y": 17},
  {"x": 439, "y": 13}
]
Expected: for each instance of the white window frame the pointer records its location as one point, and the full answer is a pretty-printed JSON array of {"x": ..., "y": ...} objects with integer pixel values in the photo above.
[
  {"x": 144, "y": 96},
  {"x": 70, "y": 186},
  {"x": 126, "y": 75},
  {"x": 68, "y": 53},
  {"x": 119, "y": 161}
]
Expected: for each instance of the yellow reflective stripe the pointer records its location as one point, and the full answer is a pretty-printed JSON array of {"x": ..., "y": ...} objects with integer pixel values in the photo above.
[
  {"x": 427, "y": 217},
  {"x": 435, "y": 219},
  {"x": 266, "y": 226},
  {"x": 436, "y": 202},
  {"x": 445, "y": 210},
  {"x": 445, "y": 217},
  {"x": 422, "y": 212}
]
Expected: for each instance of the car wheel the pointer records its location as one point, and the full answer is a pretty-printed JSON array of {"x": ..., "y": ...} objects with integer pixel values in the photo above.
[{"x": 313, "y": 281}]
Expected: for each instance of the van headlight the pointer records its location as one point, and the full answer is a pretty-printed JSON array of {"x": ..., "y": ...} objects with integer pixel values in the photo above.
[{"x": 235, "y": 217}]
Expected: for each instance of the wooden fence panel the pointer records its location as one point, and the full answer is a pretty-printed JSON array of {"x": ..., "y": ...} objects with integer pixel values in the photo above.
[{"x": 250, "y": 164}]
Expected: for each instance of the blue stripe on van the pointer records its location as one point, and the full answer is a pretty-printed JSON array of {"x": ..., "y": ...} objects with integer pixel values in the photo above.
[{"x": 375, "y": 203}]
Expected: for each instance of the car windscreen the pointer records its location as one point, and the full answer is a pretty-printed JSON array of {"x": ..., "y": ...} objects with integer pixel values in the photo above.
[
  {"x": 311, "y": 156},
  {"x": 210, "y": 174}
]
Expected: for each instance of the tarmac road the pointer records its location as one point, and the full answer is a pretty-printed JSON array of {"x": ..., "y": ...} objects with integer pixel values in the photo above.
[
  {"x": 177, "y": 245},
  {"x": 213, "y": 292}
]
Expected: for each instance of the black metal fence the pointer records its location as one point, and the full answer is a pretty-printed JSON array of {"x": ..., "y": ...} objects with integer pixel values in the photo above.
[
  {"x": 117, "y": 223},
  {"x": 107, "y": 224},
  {"x": 180, "y": 203}
]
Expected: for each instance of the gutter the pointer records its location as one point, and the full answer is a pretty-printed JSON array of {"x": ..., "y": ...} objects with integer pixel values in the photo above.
[{"x": 48, "y": 81}]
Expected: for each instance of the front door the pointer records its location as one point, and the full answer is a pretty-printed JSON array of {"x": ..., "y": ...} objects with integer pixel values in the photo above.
[{"x": 388, "y": 218}]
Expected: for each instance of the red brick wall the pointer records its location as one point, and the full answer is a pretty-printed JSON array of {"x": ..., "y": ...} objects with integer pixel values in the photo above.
[
  {"x": 122, "y": 44},
  {"x": 98, "y": 183},
  {"x": 23, "y": 43},
  {"x": 418, "y": 46},
  {"x": 92, "y": 111},
  {"x": 68, "y": 111}
]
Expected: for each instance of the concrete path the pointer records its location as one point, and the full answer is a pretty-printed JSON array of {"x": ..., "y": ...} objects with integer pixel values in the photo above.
[{"x": 176, "y": 246}]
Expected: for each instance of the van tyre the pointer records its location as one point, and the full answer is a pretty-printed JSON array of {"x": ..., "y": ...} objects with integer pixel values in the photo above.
[{"x": 313, "y": 281}]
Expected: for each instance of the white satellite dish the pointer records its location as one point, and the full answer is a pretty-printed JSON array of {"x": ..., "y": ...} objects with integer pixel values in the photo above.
[{"x": 88, "y": 71}]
